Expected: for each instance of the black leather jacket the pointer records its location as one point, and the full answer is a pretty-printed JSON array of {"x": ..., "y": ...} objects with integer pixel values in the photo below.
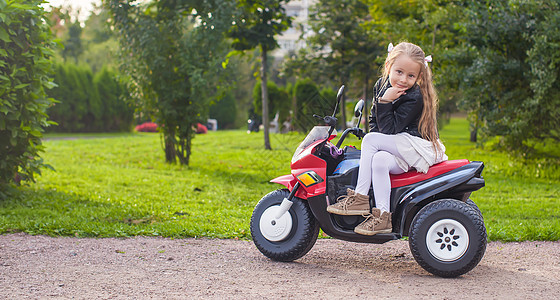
[{"x": 401, "y": 115}]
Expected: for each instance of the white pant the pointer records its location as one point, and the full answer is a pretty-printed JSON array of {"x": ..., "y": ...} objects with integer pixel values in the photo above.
[{"x": 377, "y": 161}]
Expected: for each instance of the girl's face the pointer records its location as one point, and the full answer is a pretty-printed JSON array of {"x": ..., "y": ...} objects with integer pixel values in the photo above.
[{"x": 404, "y": 72}]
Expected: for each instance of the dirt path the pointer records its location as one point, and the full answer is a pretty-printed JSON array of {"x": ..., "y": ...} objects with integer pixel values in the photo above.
[{"x": 139, "y": 268}]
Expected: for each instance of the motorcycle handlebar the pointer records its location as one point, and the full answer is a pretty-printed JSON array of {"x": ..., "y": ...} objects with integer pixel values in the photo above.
[
  {"x": 331, "y": 121},
  {"x": 355, "y": 131},
  {"x": 359, "y": 133}
]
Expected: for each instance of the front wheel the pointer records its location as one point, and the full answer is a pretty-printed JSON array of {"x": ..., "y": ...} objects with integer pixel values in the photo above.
[
  {"x": 448, "y": 238},
  {"x": 289, "y": 237}
]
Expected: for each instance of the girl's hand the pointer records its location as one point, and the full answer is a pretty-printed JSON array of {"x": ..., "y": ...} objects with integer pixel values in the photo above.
[{"x": 391, "y": 94}]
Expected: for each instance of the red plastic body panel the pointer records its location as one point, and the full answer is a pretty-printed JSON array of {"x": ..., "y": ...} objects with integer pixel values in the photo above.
[
  {"x": 311, "y": 162},
  {"x": 308, "y": 162},
  {"x": 289, "y": 181},
  {"x": 435, "y": 170}
]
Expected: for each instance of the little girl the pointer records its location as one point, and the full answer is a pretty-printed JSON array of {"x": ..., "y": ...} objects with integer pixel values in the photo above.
[{"x": 403, "y": 136}]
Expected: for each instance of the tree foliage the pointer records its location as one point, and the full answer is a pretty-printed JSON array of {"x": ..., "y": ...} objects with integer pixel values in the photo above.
[
  {"x": 497, "y": 58},
  {"x": 343, "y": 44},
  {"x": 309, "y": 102},
  {"x": 279, "y": 101},
  {"x": 25, "y": 47},
  {"x": 73, "y": 46},
  {"x": 225, "y": 111},
  {"x": 100, "y": 42},
  {"x": 510, "y": 83},
  {"x": 256, "y": 25},
  {"x": 436, "y": 26},
  {"x": 171, "y": 50},
  {"x": 341, "y": 50},
  {"x": 91, "y": 41}
]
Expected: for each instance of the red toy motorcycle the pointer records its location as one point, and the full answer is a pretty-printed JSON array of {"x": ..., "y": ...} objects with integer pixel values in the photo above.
[{"x": 445, "y": 229}]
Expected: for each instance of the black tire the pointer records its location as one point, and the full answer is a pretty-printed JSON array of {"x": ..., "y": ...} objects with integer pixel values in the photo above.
[
  {"x": 302, "y": 234},
  {"x": 471, "y": 203},
  {"x": 458, "y": 237}
]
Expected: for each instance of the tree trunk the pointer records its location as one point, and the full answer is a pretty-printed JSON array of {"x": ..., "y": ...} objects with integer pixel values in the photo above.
[
  {"x": 342, "y": 106},
  {"x": 169, "y": 143},
  {"x": 264, "y": 93},
  {"x": 184, "y": 147},
  {"x": 473, "y": 126},
  {"x": 294, "y": 106},
  {"x": 185, "y": 151},
  {"x": 474, "y": 132},
  {"x": 365, "y": 112}
]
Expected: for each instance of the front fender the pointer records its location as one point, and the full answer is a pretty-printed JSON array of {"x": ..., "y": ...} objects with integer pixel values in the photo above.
[{"x": 288, "y": 181}]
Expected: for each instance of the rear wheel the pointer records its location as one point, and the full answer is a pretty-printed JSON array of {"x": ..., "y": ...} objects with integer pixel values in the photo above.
[
  {"x": 471, "y": 203},
  {"x": 289, "y": 237},
  {"x": 448, "y": 237}
]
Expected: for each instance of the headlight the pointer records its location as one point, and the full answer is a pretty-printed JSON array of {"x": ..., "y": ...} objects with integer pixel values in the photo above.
[{"x": 309, "y": 178}]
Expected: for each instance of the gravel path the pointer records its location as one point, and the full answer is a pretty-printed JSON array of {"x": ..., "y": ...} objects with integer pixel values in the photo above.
[{"x": 39, "y": 267}]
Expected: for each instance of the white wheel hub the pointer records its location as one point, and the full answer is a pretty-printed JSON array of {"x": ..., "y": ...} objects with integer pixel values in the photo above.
[
  {"x": 447, "y": 240},
  {"x": 274, "y": 229}
]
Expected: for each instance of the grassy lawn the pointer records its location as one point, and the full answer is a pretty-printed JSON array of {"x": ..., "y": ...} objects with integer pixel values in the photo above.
[
  {"x": 119, "y": 185},
  {"x": 521, "y": 199}
]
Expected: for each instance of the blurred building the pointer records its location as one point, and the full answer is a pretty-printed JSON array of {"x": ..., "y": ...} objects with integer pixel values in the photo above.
[{"x": 289, "y": 41}]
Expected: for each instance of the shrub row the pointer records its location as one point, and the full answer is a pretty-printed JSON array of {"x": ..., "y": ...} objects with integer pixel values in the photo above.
[
  {"x": 309, "y": 100},
  {"x": 88, "y": 102}
]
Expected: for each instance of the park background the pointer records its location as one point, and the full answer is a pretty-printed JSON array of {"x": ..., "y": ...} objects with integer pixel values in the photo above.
[{"x": 87, "y": 81}]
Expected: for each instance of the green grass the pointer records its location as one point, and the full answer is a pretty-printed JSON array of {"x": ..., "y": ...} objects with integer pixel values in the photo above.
[
  {"x": 119, "y": 185},
  {"x": 521, "y": 198}
]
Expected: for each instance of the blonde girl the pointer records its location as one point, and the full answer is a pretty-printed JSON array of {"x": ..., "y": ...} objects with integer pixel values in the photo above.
[{"x": 403, "y": 136}]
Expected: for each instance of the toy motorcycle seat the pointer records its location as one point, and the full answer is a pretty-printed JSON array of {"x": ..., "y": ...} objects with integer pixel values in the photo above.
[{"x": 412, "y": 177}]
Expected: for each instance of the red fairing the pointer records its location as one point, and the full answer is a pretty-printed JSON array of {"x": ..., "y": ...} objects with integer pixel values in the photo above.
[
  {"x": 435, "y": 170},
  {"x": 310, "y": 162},
  {"x": 289, "y": 181}
]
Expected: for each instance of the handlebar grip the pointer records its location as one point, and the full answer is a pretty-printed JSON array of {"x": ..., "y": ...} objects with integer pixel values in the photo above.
[
  {"x": 331, "y": 121},
  {"x": 359, "y": 133}
]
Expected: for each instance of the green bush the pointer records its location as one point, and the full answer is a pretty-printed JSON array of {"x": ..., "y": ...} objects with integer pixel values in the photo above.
[
  {"x": 328, "y": 97},
  {"x": 88, "y": 103},
  {"x": 25, "y": 47},
  {"x": 309, "y": 102},
  {"x": 72, "y": 108},
  {"x": 278, "y": 101},
  {"x": 510, "y": 83},
  {"x": 224, "y": 111},
  {"x": 116, "y": 114}
]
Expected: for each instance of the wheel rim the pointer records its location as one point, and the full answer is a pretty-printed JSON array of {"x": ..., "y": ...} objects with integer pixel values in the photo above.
[
  {"x": 273, "y": 229},
  {"x": 447, "y": 240}
]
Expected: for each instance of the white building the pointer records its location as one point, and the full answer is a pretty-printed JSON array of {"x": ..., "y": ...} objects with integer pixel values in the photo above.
[{"x": 289, "y": 40}]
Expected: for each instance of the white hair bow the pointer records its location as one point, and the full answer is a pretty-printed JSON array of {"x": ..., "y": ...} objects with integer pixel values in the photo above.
[{"x": 427, "y": 60}]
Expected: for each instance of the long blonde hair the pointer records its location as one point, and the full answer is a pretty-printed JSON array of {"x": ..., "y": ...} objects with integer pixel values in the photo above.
[{"x": 427, "y": 125}]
